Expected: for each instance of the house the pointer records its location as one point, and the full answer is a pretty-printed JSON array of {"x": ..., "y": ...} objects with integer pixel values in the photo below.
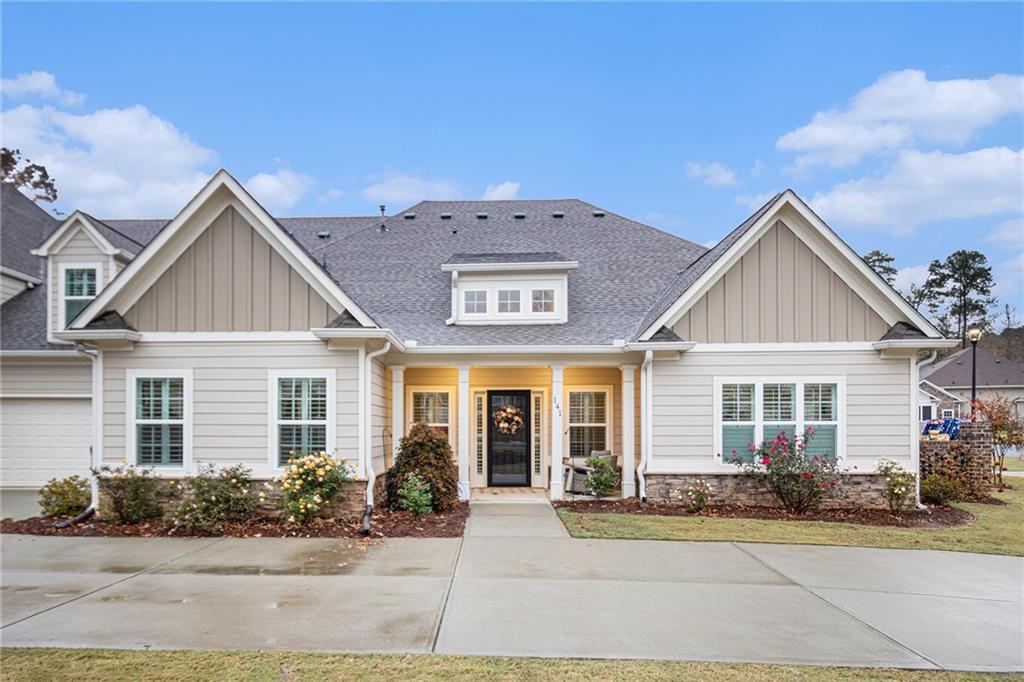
[
  {"x": 950, "y": 381},
  {"x": 228, "y": 335}
]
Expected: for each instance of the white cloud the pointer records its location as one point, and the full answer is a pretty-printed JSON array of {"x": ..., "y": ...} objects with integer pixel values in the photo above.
[
  {"x": 712, "y": 174},
  {"x": 280, "y": 190},
  {"x": 331, "y": 195},
  {"x": 1009, "y": 277},
  {"x": 912, "y": 275},
  {"x": 900, "y": 108},
  {"x": 754, "y": 201},
  {"x": 409, "y": 189},
  {"x": 757, "y": 169},
  {"x": 923, "y": 187},
  {"x": 38, "y": 84},
  {"x": 506, "y": 190},
  {"x": 112, "y": 162},
  {"x": 1009, "y": 231}
]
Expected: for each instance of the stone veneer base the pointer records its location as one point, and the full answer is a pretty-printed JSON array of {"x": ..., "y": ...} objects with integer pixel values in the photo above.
[{"x": 862, "y": 491}]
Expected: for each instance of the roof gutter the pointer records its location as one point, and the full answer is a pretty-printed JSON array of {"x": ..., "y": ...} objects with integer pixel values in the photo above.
[
  {"x": 556, "y": 265},
  {"x": 679, "y": 346},
  {"x": 914, "y": 344},
  {"x": 359, "y": 333},
  {"x": 98, "y": 335},
  {"x": 17, "y": 274},
  {"x": 412, "y": 348}
]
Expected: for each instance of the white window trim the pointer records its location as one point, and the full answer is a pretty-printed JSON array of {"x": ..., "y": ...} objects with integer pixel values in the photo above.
[
  {"x": 465, "y": 300},
  {"x": 920, "y": 412},
  {"x": 409, "y": 421},
  {"x": 759, "y": 382},
  {"x": 273, "y": 375},
  {"x": 62, "y": 322},
  {"x": 497, "y": 306},
  {"x": 609, "y": 416},
  {"x": 950, "y": 416},
  {"x": 131, "y": 455}
]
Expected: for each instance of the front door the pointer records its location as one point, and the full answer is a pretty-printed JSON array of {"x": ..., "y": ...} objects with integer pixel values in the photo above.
[{"x": 508, "y": 438}]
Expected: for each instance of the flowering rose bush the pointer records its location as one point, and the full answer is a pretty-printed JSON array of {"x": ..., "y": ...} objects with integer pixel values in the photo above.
[
  {"x": 899, "y": 485},
  {"x": 697, "y": 495},
  {"x": 798, "y": 480},
  {"x": 211, "y": 498},
  {"x": 310, "y": 484}
]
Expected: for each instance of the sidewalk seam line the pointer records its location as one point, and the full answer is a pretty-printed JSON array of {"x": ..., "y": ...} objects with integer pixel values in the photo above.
[
  {"x": 448, "y": 592},
  {"x": 837, "y": 607},
  {"x": 109, "y": 585}
]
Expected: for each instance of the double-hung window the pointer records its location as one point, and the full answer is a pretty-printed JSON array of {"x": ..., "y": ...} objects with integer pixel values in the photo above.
[
  {"x": 588, "y": 423},
  {"x": 476, "y": 302},
  {"x": 748, "y": 412},
  {"x": 431, "y": 408},
  {"x": 302, "y": 409},
  {"x": 508, "y": 300},
  {"x": 159, "y": 411},
  {"x": 78, "y": 286}
]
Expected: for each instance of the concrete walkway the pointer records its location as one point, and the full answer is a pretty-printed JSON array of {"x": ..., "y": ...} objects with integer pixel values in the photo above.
[{"x": 516, "y": 584}]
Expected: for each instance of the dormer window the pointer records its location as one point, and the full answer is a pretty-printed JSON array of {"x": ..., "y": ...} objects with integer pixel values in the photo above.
[
  {"x": 543, "y": 300},
  {"x": 509, "y": 288},
  {"x": 508, "y": 300},
  {"x": 78, "y": 286},
  {"x": 476, "y": 302}
]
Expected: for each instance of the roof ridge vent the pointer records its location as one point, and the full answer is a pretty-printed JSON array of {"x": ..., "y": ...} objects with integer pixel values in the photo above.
[
  {"x": 598, "y": 213},
  {"x": 519, "y": 216},
  {"x": 446, "y": 216},
  {"x": 409, "y": 216},
  {"x": 481, "y": 216},
  {"x": 558, "y": 214}
]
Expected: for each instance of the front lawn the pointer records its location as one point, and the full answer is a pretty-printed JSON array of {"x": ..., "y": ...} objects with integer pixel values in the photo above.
[
  {"x": 996, "y": 530},
  {"x": 1013, "y": 463},
  {"x": 107, "y": 664}
]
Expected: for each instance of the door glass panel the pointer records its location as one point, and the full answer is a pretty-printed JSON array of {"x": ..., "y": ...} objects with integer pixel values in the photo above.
[{"x": 508, "y": 440}]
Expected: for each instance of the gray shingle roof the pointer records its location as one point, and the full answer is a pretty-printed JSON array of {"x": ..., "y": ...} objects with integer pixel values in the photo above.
[
  {"x": 955, "y": 370},
  {"x": 23, "y": 226},
  {"x": 23, "y": 322},
  {"x": 117, "y": 238},
  {"x": 110, "y": 320},
  {"x": 685, "y": 279},
  {"x": 511, "y": 258},
  {"x": 903, "y": 331}
]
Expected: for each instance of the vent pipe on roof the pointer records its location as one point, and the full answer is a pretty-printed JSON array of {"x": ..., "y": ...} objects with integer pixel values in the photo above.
[{"x": 383, "y": 224}]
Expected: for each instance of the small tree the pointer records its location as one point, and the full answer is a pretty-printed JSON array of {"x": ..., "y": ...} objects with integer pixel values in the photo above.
[
  {"x": 600, "y": 479},
  {"x": 414, "y": 495},
  {"x": 427, "y": 453},
  {"x": 1007, "y": 430},
  {"x": 963, "y": 283}
]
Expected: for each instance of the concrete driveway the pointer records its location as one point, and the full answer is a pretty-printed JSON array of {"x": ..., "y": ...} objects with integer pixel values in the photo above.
[{"x": 517, "y": 585}]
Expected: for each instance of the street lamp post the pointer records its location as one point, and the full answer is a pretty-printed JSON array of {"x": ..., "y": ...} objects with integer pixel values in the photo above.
[{"x": 974, "y": 335}]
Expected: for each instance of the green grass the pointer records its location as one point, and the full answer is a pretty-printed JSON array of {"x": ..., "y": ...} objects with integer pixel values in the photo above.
[
  {"x": 997, "y": 530},
  {"x": 80, "y": 665},
  {"x": 1013, "y": 463}
]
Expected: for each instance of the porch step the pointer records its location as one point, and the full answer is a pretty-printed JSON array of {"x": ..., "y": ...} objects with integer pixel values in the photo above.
[{"x": 508, "y": 495}]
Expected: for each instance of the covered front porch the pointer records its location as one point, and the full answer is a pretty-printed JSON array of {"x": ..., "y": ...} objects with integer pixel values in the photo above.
[{"x": 516, "y": 428}]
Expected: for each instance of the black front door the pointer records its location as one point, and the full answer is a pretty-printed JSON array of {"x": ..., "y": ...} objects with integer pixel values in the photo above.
[{"x": 508, "y": 442}]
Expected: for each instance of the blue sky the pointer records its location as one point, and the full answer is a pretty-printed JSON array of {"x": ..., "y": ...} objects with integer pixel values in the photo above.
[{"x": 901, "y": 124}]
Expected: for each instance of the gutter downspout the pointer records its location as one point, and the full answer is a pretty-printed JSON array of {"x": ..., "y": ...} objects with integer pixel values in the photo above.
[
  {"x": 97, "y": 379},
  {"x": 913, "y": 401},
  {"x": 455, "y": 298},
  {"x": 645, "y": 421},
  {"x": 371, "y": 475}
]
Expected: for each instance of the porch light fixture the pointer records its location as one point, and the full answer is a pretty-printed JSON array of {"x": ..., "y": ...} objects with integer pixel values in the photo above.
[{"x": 974, "y": 335}]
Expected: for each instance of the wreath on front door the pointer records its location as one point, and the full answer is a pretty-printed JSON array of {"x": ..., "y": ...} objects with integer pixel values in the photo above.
[{"x": 508, "y": 419}]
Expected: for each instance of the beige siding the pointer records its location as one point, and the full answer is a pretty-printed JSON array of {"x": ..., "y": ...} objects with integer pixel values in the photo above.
[
  {"x": 230, "y": 383},
  {"x": 380, "y": 416},
  {"x": 51, "y": 376},
  {"x": 10, "y": 287},
  {"x": 878, "y": 402},
  {"x": 230, "y": 279},
  {"x": 80, "y": 248},
  {"x": 780, "y": 291}
]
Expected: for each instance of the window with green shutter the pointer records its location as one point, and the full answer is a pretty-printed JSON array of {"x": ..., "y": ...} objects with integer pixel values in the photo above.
[
  {"x": 79, "y": 288},
  {"x": 779, "y": 405},
  {"x": 302, "y": 416},
  {"x": 159, "y": 421},
  {"x": 821, "y": 414},
  {"x": 738, "y": 421}
]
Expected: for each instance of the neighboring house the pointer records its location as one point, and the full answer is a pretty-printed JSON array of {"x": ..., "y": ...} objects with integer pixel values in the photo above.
[
  {"x": 996, "y": 376},
  {"x": 937, "y": 403},
  {"x": 234, "y": 336}
]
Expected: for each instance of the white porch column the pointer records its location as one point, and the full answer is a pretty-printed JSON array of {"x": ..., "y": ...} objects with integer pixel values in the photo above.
[
  {"x": 397, "y": 408},
  {"x": 628, "y": 432},
  {"x": 464, "y": 404},
  {"x": 557, "y": 477}
]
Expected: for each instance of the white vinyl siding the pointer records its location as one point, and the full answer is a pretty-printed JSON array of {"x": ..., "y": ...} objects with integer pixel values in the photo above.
[
  {"x": 231, "y": 396},
  {"x": 63, "y": 375},
  {"x": 78, "y": 251},
  {"x": 880, "y": 405}
]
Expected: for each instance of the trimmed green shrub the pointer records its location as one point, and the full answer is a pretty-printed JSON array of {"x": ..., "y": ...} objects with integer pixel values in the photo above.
[
  {"x": 939, "y": 489},
  {"x": 310, "y": 485},
  {"x": 134, "y": 494},
  {"x": 427, "y": 453},
  {"x": 210, "y": 499},
  {"x": 65, "y": 496},
  {"x": 414, "y": 495},
  {"x": 600, "y": 480}
]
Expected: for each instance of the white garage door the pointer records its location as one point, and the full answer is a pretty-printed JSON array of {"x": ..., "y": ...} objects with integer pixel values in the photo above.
[{"x": 43, "y": 438}]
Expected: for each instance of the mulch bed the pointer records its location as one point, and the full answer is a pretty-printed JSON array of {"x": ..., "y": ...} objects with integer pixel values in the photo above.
[
  {"x": 383, "y": 524},
  {"x": 931, "y": 517}
]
